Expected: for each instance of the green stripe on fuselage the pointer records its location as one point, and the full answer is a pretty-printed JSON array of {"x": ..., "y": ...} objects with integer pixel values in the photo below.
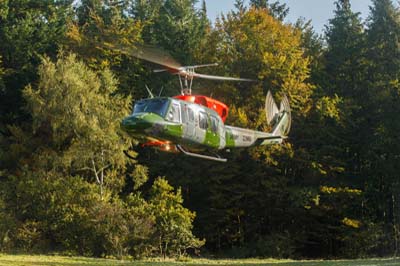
[
  {"x": 212, "y": 139},
  {"x": 172, "y": 131},
  {"x": 229, "y": 138},
  {"x": 139, "y": 123}
]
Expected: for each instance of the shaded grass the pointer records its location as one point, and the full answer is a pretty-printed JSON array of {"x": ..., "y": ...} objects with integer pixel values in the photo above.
[{"x": 37, "y": 260}]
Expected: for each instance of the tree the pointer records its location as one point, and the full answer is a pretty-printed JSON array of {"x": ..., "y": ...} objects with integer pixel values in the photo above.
[
  {"x": 345, "y": 41},
  {"x": 61, "y": 175},
  {"x": 173, "y": 221},
  {"x": 80, "y": 113},
  {"x": 343, "y": 78},
  {"x": 49, "y": 211},
  {"x": 335, "y": 129},
  {"x": 176, "y": 26},
  {"x": 101, "y": 24},
  {"x": 276, "y": 9},
  {"x": 28, "y": 29},
  {"x": 2, "y": 88},
  {"x": 314, "y": 46},
  {"x": 382, "y": 151}
]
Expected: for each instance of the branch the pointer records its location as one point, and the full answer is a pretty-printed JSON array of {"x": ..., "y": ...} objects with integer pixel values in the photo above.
[
  {"x": 95, "y": 172},
  {"x": 103, "y": 168},
  {"x": 85, "y": 168}
]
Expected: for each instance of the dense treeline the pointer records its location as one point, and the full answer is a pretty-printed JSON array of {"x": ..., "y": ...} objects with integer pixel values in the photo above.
[{"x": 332, "y": 190}]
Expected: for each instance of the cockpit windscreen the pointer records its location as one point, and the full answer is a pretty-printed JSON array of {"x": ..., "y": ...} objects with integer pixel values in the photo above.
[{"x": 156, "y": 106}]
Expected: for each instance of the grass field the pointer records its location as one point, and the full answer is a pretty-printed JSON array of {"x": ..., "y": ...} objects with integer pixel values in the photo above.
[{"x": 27, "y": 260}]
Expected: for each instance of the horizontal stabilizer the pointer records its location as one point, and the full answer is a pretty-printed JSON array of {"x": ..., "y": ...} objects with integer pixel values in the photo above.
[{"x": 269, "y": 140}]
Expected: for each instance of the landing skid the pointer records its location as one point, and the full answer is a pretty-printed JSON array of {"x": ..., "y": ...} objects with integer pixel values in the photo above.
[{"x": 212, "y": 158}]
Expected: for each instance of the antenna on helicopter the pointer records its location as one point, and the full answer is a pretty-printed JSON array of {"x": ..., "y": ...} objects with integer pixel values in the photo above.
[
  {"x": 149, "y": 91},
  {"x": 162, "y": 88}
]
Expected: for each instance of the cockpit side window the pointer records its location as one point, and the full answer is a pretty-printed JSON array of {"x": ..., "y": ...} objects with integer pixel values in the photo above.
[
  {"x": 203, "y": 120},
  {"x": 139, "y": 107},
  {"x": 174, "y": 113}
]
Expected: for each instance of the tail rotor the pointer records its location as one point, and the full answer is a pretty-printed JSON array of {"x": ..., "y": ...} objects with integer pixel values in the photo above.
[{"x": 279, "y": 118}]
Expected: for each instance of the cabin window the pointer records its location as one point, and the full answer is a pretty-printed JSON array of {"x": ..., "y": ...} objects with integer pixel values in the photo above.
[
  {"x": 190, "y": 114},
  {"x": 174, "y": 114},
  {"x": 203, "y": 120},
  {"x": 214, "y": 124}
]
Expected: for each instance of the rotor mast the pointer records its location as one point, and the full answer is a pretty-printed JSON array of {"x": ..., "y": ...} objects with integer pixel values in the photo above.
[{"x": 186, "y": 85}]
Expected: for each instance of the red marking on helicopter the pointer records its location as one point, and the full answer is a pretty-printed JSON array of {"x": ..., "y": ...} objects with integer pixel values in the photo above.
[
  {"x": 211, "y": 103},
  {"x": 161, "y": 145}
]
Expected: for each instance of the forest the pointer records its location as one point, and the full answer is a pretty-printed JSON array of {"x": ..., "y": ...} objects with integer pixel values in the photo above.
[{"x": 332, "y": 190}]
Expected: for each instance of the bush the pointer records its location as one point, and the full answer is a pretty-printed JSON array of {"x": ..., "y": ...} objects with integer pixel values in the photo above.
[{"x": 173, "y": 221}]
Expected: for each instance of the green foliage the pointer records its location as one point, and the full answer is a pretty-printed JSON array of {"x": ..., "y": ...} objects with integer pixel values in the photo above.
[
  {"x": 328, "y": 107},
  {"x": 98, "y": 24},
  {"x": 173, "y": 221},
  {"x": 277, "y": 10},
  {"x": 254, "y": 44},
  {"x": 51, "y": 211},
  {"x": 165, "y": 20},
  {"x": 79, "y": 113},
  {"x": 382, "y": 150},
  {"x": 52, "y": 184},
  {"x": 28, "y": 30}
]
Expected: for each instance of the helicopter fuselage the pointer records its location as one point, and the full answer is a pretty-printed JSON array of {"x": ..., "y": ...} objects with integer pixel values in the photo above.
[{"x": 170, "y": 121}]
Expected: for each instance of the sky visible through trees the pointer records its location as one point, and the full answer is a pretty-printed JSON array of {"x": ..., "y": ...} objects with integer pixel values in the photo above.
[{"x": 316, "y": 10}]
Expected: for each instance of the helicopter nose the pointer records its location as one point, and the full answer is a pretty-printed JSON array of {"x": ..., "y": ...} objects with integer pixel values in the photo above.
[
  {"x": 127, "y": 122},
  {"x": 136, "y": 123},
  {"x": 132, "y": 123}
]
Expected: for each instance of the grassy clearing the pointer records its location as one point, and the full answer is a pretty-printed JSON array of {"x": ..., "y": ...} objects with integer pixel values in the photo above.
[{"x": 36, "y": 260}]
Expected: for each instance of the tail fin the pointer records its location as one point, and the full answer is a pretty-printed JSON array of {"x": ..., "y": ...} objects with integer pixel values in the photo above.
[{"x": 280, "y": 118}]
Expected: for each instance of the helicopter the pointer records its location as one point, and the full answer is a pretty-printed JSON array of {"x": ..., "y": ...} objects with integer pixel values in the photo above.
[{"x": 195, "y": 124}]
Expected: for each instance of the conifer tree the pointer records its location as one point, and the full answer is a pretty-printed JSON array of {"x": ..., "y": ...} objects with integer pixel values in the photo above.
[
  {"x": 277, "y": 10},
  {"x": 383, "y": 55},
  {"x": 344, "y": 79},
  {"x": 344, "y": 37},
  {"x": 28, "y": 29}
]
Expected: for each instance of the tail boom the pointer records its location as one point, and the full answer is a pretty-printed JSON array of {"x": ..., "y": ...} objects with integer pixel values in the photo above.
[
  {"x": 237, "y": 137},
  {"x": 278, "y": 118}
]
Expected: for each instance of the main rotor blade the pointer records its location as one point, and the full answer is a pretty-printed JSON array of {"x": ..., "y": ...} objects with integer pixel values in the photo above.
[
  {"x": 160, "y": 70},
  {"x": 204, "y": 65},
  {"x": 161, "y": 57},
  {"x": 203, "y": 76},
  {"x": 148, "y": 53}
]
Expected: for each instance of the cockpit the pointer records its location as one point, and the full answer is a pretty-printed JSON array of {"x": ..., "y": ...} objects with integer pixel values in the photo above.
[{"x": 157, "y": 106}]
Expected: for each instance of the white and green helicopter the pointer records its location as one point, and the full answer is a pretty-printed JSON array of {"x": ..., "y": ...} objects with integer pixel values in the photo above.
[{"x": 194, "y": 124}]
